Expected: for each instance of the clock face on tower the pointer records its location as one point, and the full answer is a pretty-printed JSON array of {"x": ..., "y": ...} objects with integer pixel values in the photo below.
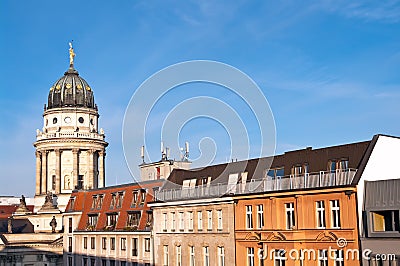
[{"x": 67, "y": 120}]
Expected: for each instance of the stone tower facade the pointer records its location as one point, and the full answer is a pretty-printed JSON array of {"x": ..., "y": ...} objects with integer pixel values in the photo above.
[{"x": 70, "y": 149}]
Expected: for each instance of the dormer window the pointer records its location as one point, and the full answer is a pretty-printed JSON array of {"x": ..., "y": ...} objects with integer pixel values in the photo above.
[
  {"x": 275, "y": 173},
  {"x": 299, "y": 169},
  {"x": 72, "y": 203},
  {"x": 142, "y": 196},
  {"x": 100, "y": 202},
  {"x": 342, "y": 164},
  {"x": 120, "y": 199},
  {"x": 92, "y": 220},
  {"x": 94, "y": 202},
  {"x": 113, "y": 200},
  {"x": 112, "y": 219},
  {"x": 133, "y": 219},
  {"x": 135, "y": 198}
]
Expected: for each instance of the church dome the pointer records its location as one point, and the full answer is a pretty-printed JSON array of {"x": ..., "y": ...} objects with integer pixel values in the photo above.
[{"x": 71, "y": 90}]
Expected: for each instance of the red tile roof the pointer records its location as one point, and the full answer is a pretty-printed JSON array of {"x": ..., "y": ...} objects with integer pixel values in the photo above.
[
  {"x": 7, "y": 210},
  {"x": 83, "y": 201}
]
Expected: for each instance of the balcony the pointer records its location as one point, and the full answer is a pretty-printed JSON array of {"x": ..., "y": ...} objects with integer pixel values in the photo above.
[
  {"x": 322, "y": 179},
  {"x": 70, "y": 134}
]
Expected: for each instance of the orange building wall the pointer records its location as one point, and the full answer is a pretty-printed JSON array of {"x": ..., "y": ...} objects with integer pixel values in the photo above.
[{"x": 305, "y": 235}]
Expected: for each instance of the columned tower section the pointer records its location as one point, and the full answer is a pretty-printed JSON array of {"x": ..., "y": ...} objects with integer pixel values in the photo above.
[{"x": 70, "y": 149}]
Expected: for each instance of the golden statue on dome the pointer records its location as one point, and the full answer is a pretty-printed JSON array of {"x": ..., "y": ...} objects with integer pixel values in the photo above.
[{"x": 71, "y": 55}]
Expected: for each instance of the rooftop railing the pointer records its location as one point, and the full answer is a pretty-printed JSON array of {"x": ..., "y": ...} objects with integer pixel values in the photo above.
[
  {"x": 71, "y": 134},
  {"x": 321, "y": 179}
]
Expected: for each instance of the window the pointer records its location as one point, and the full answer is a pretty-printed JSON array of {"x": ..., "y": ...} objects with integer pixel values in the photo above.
[
  {"x": 100, "y": 202},
  {"x": 297, "y": 170},
  {"x": 190, "y": 214},
  {"x": 344, "y": 164},
  {"x": 53, "y": 187},
  {"x": 276, "y": 173},
  {"x": 135, "y": 198},
  {"x": 92, "y": 242},
  {"x": 85, "y": 242},
  {"x": 113, "y": 200},
  {"x": 149, "y": 221},
  {"x": 260, "y": 216},
  {"x": 250, "y": 256},
  {"x": 221, "y": 256},
  {"x": 80, "y": 182},
  {"x": 323, "y": 257},
  {"x": 112, "y": 219},
  {"x": 219, "y": 216},
  {"x": 147, "y": 245},
  {"x": 165, "y": 219},
  {"x": 339, "y": 259},
  {"x": 133, "y": 219},
  {"x": 385, "y": 221},
  {"x": 69, "y": 244},
  {"x": 280, "y": 257},
  {"x": 104, "y": 243},
  {"x": 181, "y": 221},
  {"x": 209, "y": 220},
  {"x": 332, "y": 166},
  {"x": 71, "y": 203},
  {"x": 199, "y": 220},
  {"x": 320, "y": 207},
  {"x": 69, "y": 261},
  {"x": 249, "y": 217},
  {"x": 335, "y": 209},
  {"x": 120, "y": 199},
  {"x": 178, "y": 256},
  {"x": 103, "y": 262},
  {"x": 206, "y": 253},
  {"x": 92, "y": 220},
  {"x": 112, "y": 243},
  {"x": 112, "y": 262},
  {"x": 84, "y": 262},
  {"x": 94, "y": 202},
  {"x": 142, "y": 196},
  {"x": 134, "y": 247},
  {"x": 165, "y": 256},
  {"x": 69, "y": 225},
  {"x": 191, "y": 256},
  {"x": 173, "y": 221},
  {"x": 123, "y": 243},
  {"x": 290, "y": 218}
]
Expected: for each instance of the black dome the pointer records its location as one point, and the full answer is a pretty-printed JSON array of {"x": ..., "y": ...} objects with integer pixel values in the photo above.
[{"x": 71, "y": 91}]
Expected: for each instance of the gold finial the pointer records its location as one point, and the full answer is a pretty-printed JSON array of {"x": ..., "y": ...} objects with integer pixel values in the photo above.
[{"x": 71, "y": 55}]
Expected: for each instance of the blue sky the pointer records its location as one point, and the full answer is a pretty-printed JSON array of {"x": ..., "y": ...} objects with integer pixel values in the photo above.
[{"x": 329, "y": 69}]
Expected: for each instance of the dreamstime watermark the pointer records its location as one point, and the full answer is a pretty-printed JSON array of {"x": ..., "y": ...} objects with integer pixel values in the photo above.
[
  {"x": 138, "y": 121},
  {"x": 339, "y": 252}
]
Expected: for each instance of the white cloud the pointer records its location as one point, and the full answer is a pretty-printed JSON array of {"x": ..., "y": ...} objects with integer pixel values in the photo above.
[{"x": 385, "y": 11}]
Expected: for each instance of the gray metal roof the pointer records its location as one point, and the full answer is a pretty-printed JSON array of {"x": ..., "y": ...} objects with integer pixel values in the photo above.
[{"x": 382, "y": 195}]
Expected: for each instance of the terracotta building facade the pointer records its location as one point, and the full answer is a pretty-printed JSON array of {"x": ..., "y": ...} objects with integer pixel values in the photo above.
[
  {"x": 297, "y": 228},
  {"x": 110, "y": 226}
]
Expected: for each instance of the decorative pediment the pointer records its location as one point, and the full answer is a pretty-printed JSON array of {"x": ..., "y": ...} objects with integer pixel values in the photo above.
[
  {"x": 276, "y": 236},
  {"x": 178, "y": 243},
  {"x": 253, "y": 236},
  {"x": 326, "y": 236}
]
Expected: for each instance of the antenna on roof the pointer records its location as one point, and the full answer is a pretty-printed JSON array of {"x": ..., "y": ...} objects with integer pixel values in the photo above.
[
  {"x": 186, "y": 154},
  {"x": 163, "y": 154},
  {"x": 142, "y": 153}
]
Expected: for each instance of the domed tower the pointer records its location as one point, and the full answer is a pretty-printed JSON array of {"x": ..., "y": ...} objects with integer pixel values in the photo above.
[{"x": 70, "y": 150}]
